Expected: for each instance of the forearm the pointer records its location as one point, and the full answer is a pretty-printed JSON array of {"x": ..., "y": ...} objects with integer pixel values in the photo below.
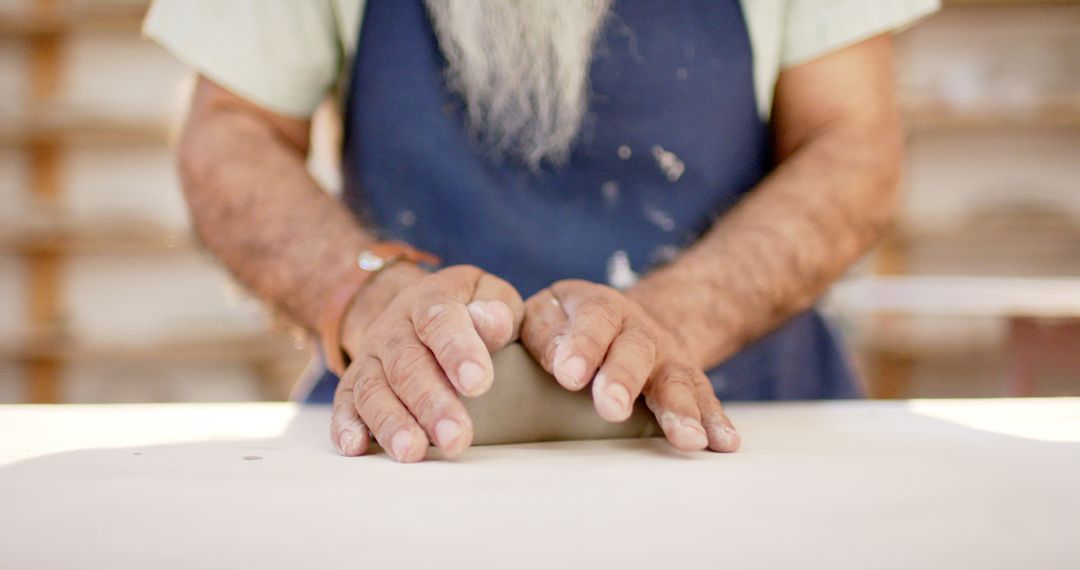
[
  {"x": 255, "y": 206},
  {"x": 777, "y": 251}
]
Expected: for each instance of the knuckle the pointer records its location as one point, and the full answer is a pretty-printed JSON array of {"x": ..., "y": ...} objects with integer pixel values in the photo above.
[
  {"x": 365, "y": 373},
  {"x": 570, "y": 285},
  {"x": 591, "y": 342},
  {"x": 406, "y": 364},
  {"x": 461, "y": 273},
  {"x": 542, "y": 315},
  {"x": 603, "y": 311},
  {"x": 638, "y": 347},
  {"x": 448, "y": 342},
  {"x": 426, "y": 403},
  {"x": 538, "y": 304},
  {"x": 366, "y": 404},
  {"x": 343, "y": 395},
  {"x": 429, "y": 318},
  {"x": 395, "y": 340},
  {"x": 711, "y": 412},
  {"x": 642, "y": 333},
  {"x": 622, "y": 372},
  {"x": 677, "y": 377},
  {"x": 708, "y": 401},
  {"x": 454, "y": 347},
  {"x": 498, "y": 284}
]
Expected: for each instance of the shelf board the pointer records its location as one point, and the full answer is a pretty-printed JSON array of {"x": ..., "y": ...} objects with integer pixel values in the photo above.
[
  {"x": 929, "y": 116},
  {"x": 982, "y": 234},
  {"x": 956, "y": 296},
  {"x": 1011, "y": 3},
  {"x": 44, "y": 236},
  {"x": 67, "y": 18},
  {"x": 220, "y": 348},
  {"x": 73, "y": 129}
]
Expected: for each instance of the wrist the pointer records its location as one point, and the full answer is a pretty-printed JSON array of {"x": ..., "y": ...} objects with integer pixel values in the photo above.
[
  {"x": 374, "y": 296},
  {"x": 656, "y": 300}
]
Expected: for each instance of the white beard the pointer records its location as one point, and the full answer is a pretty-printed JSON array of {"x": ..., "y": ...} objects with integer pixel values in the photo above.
[{"x": 522, "y": 68}]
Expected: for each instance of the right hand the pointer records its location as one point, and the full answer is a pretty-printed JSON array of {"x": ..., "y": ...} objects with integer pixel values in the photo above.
[{"x": 417, "y": 341}]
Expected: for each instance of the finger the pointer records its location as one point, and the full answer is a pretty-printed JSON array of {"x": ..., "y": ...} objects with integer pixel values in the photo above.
[
  {"x": 623, "y": 374},
  {"x": 543, "y": 327},
  {"x": 497, "y": 310},
  {"x": 420, "y": 384},
  {"x": 671, "y": 396},
  {"x": 347, "y": 430},
  {"x": 721, "y": 432},
  {"x": 594, "y": 322},
  {"x": 443, "y": 324},
  {"x": 394, "y": 427},
  {"x": 494, "y": 322}
]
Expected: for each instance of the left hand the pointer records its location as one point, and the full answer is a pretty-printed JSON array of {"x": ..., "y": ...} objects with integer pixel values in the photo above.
[{"x": 582, "y": 332}]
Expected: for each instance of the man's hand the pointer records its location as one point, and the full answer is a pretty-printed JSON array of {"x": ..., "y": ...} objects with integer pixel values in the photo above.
[
  {"x": 581, "y": 332},
  {"x": 414, "y": 350}
]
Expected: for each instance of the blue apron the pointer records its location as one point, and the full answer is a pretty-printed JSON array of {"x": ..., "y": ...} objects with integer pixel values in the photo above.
[{"x": 671, "y": 141}]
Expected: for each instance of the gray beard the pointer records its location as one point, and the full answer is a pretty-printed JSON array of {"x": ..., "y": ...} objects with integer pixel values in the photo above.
[{"x": 522, "y": 68}]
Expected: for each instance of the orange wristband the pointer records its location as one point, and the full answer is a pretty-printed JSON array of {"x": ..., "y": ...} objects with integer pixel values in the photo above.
[{"x": 370, "y": 261}]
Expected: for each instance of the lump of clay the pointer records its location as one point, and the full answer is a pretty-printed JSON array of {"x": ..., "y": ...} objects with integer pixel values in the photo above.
[{"x": 525, "y": 404}]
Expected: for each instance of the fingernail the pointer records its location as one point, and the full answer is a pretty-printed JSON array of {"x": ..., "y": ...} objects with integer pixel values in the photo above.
[
  {"x": 347, "y": 444},
  {"x": 732, "y": 440},
  {"x": 572, "y": 371},
  {"x": 401, "y": 443},
  {"x": 693, "y": 432},
  {"x": 470, "y": 378},
  {"x": 720, "y": 435},
  {"x": 446, "y": 433},
  {"x": 616, "y": 401},
  {"x": 479, "y": 311}
]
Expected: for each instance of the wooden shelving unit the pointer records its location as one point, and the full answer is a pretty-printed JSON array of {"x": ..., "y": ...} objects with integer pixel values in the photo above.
[
  {"x": 1058, "y": 114},
  {"x": 56, "y": 129},
  {"x": 44, "y": 130},
  {"x": 68, "y": 237},
  {"x": 892, "y": 348},
  {"x": 222, "y": 347},
  {"x": 991, "y": 3},
  {"x": 58, "y": 18}
]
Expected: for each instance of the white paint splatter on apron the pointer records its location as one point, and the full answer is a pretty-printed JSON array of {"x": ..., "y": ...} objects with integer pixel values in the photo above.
[
  {"x": 659, "y": 218},
  {"x": 610, "y": 190},
  {"x": 619, "y": 273},
  {"x": 669, "y": 163}
]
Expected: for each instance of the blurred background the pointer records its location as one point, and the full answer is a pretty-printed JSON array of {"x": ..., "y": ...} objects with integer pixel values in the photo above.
[{"x": 105, "y": 296}]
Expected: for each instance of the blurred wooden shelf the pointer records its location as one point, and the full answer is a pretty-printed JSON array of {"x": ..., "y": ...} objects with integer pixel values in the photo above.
[
  {"x": 211, "y": 348},
  {"x": 959, "y": 296},
  {"x": 977, "y": 234},
  {"x": 917, "y": 345},
  {"x": 43, "y": 236},
  {"x": 1012, "y": 3},
  {"x": 68, "y": 17},
  {"x": 76, "y": 129},
  {"x": 1063, "y": 113}
]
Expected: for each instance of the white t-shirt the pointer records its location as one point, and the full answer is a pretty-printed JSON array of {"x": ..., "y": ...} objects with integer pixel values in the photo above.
[{"x": 288, "y": 55}]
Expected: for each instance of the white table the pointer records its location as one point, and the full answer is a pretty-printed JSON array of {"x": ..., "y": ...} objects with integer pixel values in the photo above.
[{"x": 922, "y": 484}]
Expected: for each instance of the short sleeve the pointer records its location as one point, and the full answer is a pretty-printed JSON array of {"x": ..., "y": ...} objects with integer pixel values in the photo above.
[
  {"x": 815, "y": 27},
  {"x": 284, "y": 55}
]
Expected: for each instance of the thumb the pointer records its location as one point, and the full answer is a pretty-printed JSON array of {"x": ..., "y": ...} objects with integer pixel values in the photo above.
[{"x": 496, "y": 310}]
